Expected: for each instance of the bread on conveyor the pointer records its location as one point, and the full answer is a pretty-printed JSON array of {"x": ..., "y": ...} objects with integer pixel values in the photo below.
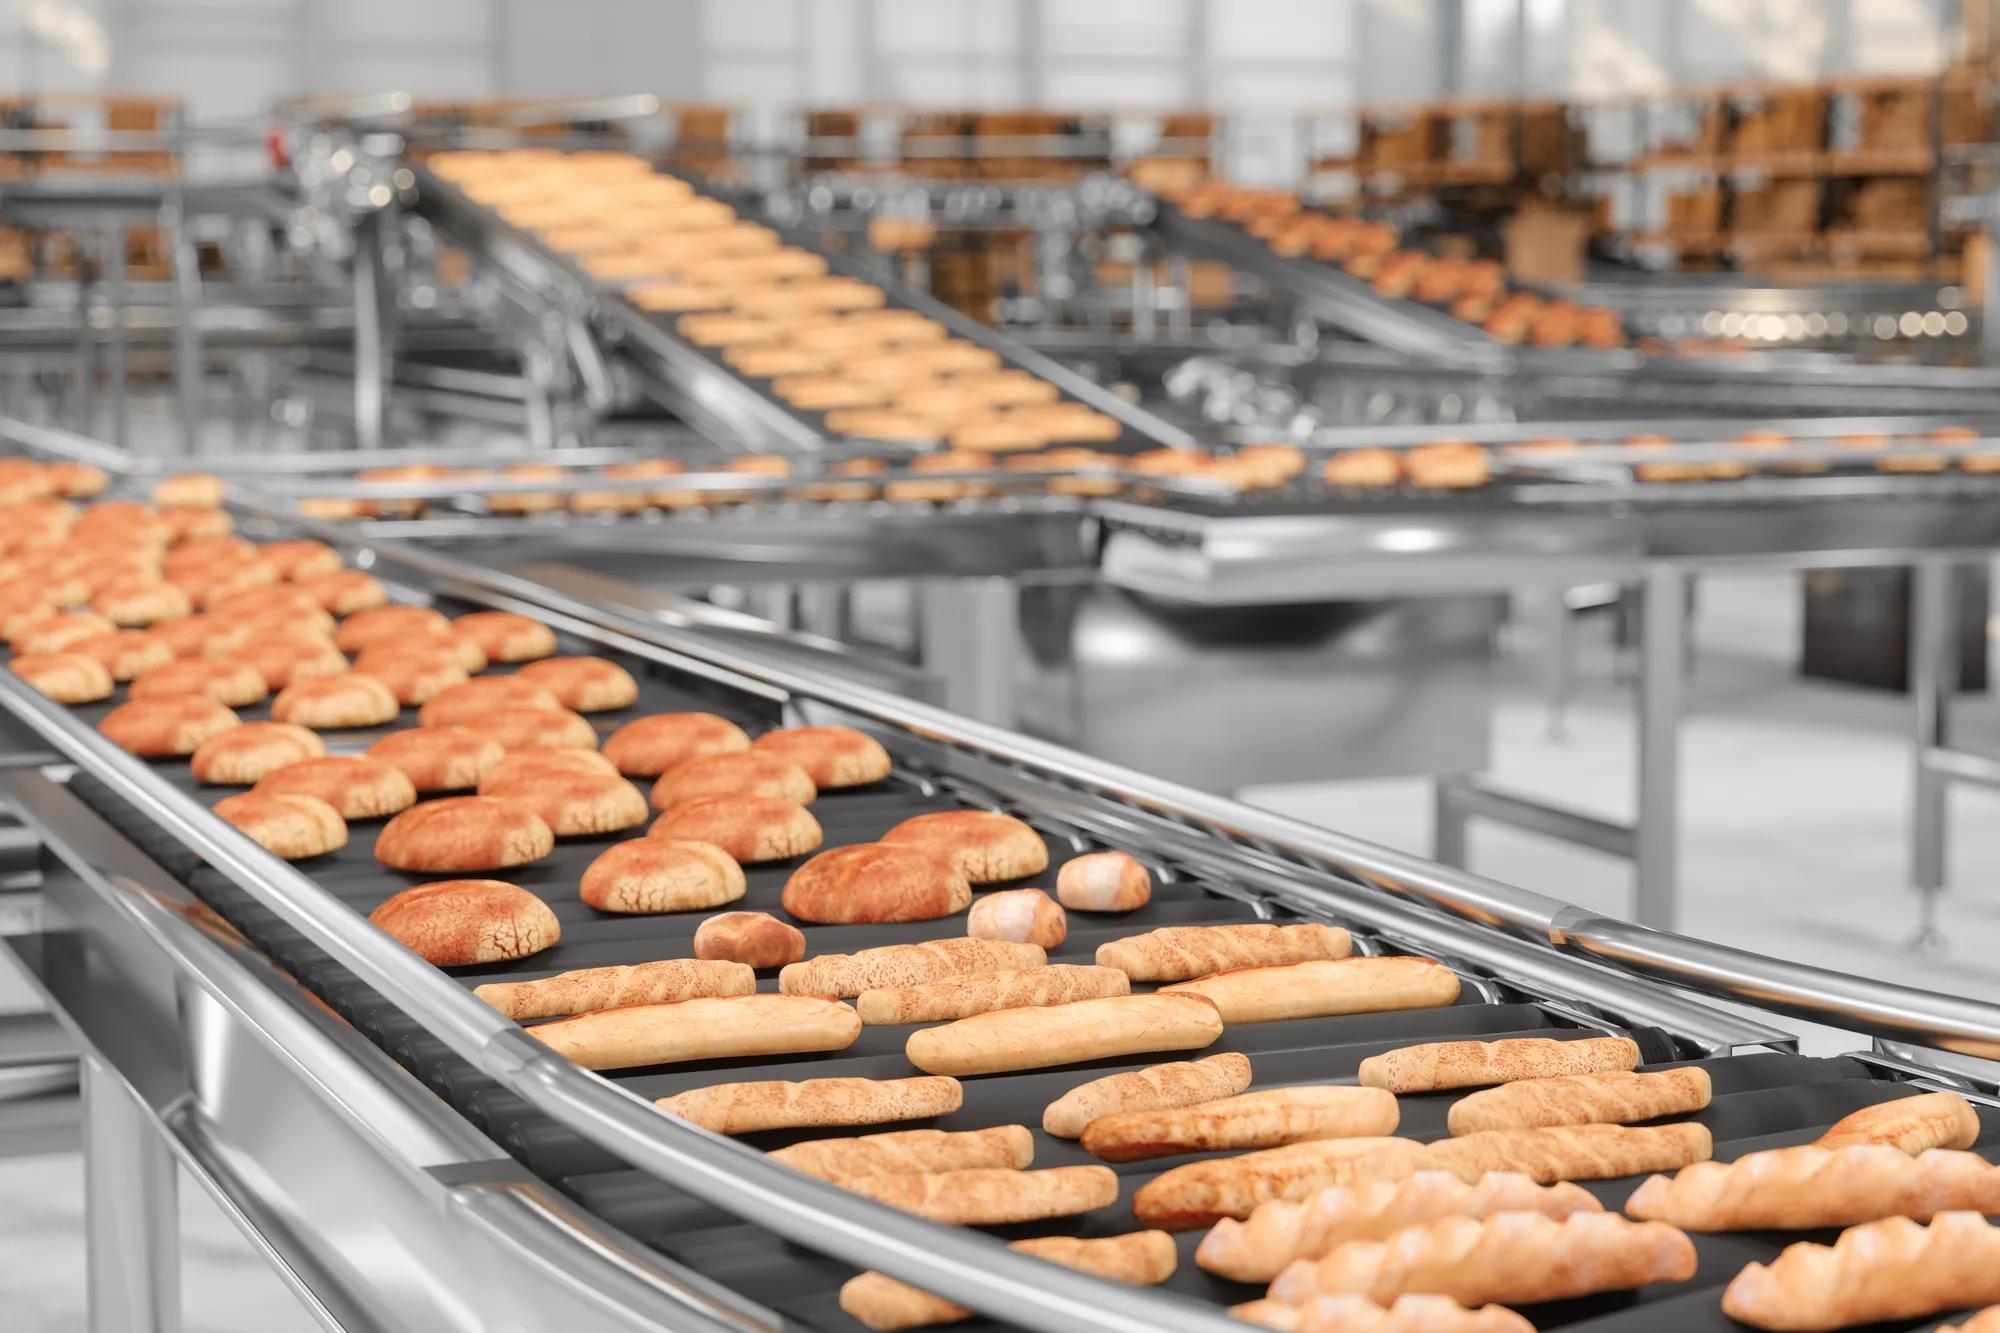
[
  {"x": 874, "y": 882},
  {"x": 583, "y": 684},
  {"x": 471, "y": 703},
  {"x": 347, "y": 592},
  {"x": 1266, "y": 1119},
  {"x": 1363, "y": 467},
  {"x": 756, "y": 939},
  {"x": 985, "y": 845},
  {"x": 661, "y": 875},
  {"x": 55, "y": 632},
  {"x": 747, "y": 1108},
  {"x": 983, "y": 992},
  {"x": 357, "y": 787},
  {"x": 1612, "y": 1096},
  {"x": 439, "y": 758},
  {"x": 1181, "y": 953},
  {"x": 1346, "y": 1313},
  {"x": 847, "y": 975},
  {"x": 336, "y": 702},
  {"x": 1139, "y": 1258},
  {"x": 534, "y": 728},
  {"x": 283, "y": 657},
  {"x": 462, "y": 922},
  {"x": 1008, "y": 1147},
  {"x": 299, "y": 558},
  {"x": 1792, "y": 1189},
  {"x": 1436, "y": 1065},
  {"x": 752, "y": 829},
  {"x": 1025, "y": 916},
  {"x": 552, "y": 761},
  {"x": 1158, "y": 1087},
  {"x": 244, "y": 754},
  {"x": 458, "y": 833},
  {"x": 992, "y": 1196},
  {"x": 1319, "y": 988},
  {"x": 292, "y": 827},
  {"x": 833, "y": 757},
  {"x": 1104, "y": 882},
  {"x": 1010, "y": 1039},
  {"x": 576, "y": 805},
  {"x": 229, "y": 683},
  {"x": 1454, "y": 464},
  {"x": 131, "y": 603},
  {"x": 648, "y": 746},
  {"x": 414, "y": 676},
  {"x": 733, "y": 774},
  {"x": 388, "y": 624},
  {"x": 1912, "y": 1124},
  {"x": 194, "y": 490},
  {"x": 505, "y": 636},
  {"x": 173, "y": 725},
  {"x": 67, "y": 678},
  {"x": 724, "y": 1028},
  {"x": 1199, "y": 1194},
  {"x": 1890, "y": 1269},
  {"x": 592, "y": 988}
]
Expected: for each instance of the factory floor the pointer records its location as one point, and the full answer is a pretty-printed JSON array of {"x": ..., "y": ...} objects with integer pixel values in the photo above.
[{"x": 1795, "y": 803}]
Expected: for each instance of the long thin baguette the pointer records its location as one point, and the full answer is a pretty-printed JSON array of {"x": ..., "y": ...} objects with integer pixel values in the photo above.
[
  {"x": 1284, "y": 1230},
  {"x": 1508, "y": 1258},
  {"x": 594, "y": 988},
  {"x": 1890, "y": 1269},
  {"x": 1318, "y": 989},
  {"x": 1202, "y": 1193},
  {"x": 1910, "y": 1124},
  {"x": 1437, "y": 1065},
  {"x": 1357, "y": 1314},
  {"x": 1010, "y": 1146},
  {"x": 992, "y": 1196},
  {"x": 1181, "y": 953},
  {"x": 1138, "y": 1258},
  {"x": 1610, "y": 1098},
  {"x": 1061, "y": 1034},
  {"x": 813, "y": 1103},
  {"x": 1158, "y": 1087},
  {"x": 729, "y": 1027},
  {"x": 1266, "y": 1119},
  {"x": 1792, "y": 1189},
  {"x": 1572, "y": 1152},
  {"x": 983, "y": 992},
  {"x": 846, "y": 975}
]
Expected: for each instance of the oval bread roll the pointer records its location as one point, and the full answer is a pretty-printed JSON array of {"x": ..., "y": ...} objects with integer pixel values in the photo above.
[
  {"x": 725, "y": 1028},
  {"x": 1026, "y": 916},
  {"x": 1317, "y": 989},
  {"x": 660, "y": 875},
  {"x": 592, "y": 988},
  {"x": 1613, "y": 1097},
  {"x": 747, "y": 1108},
  {"x": 834, "y": 757},
  {"x": 1572, "y": 1152},
  {"x": 1470, "y": 1064},
  {"x": 1104, "y": 882},
  {"x": 461, "y": 922},
  {"x": 171, "y": 725},
  {"x": 992, "y": 1196},
  {"x": 1181, "y": 953},
  {"x": 1267, "y": 1119},
  {"x": 986, "y": 845},
  {"x": 1009, "y": 1147},
  {"x": 847, "y": 975},
  {"x": 757, "y": 939},
  {"x": 1179, "y": 1083},
  {"x": 1062, "y": 1034},
  {"x": 983, "y": 992},
  {"x": 1202, "y": 1193},
  {"x": 872, "y": 882},
  {"x": 752, "y": 829},
  {"x": 1138, "y": 1258},
  {"x": 243, "y": 754},
  {"x": 1913, "y": 1124}
]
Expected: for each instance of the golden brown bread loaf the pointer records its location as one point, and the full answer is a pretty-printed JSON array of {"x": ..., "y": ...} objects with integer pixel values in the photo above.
[
  {"x": 125, "y": 653},
  {"x": 873, "y": 882},
  {"x": 174, "y": 725},
  {"x": 439, "y": 758},
  {"x": 1792, "y": 1189},
  {"x": 243, "y": 754},
  {"x": 346, "y": 592},
  {"x": 504, "y": 636},
  {"x": 661, "y": 875},
  {"x": 414, "y": 675},
  {"x": 292, "y": 827},
  {"x": 388, "y": 624},
  {"x": 576, "y": 805},
  {"x": 1613, "y": 1097},
  {"x": 1315, "y": 989},
  {"x": 1266, "y": 1119},
  {"x": 1181, "y": 953},
  {"x": 1139, "y": 1258},
  {"x": 986, "y": 846},
  {"x": 297, "y": 559},
  {"x": 992, "y": 1196},
  {"x": 648, "y": 746},
  {"x": 457, "y": 833},
  {"x": 461, "y": 922},
  {"x": 1572, "y": 1152},
  {"x": 747, "y": 1108},
  {"x": 983, "y": 992},
  {"x": 833, "y": 757},
  {"x": 357, "y": 787},
  {"x": 1025, "y": 916},
  {"x": 285, "y": 656},
  {"x": 1200, "y": 1194},
  {"x": 1911, "y": 1124},
  {"x": 723, "y": 1028},
  {"x": 847, "y": 975},
  {"x": 67, "y": 678},
  {"x": 756, "y": 939},
  {"x": 336, "y": 702},
  {"x": 751, "y": 829},
  {"x": 468, "y": 704},
  {"x": 551, "y": 761},
  {"x": 1104, "y": 882},
  {"x": 733, "y": 775},
  {"x": 583, "y": 684},
  {"x": 1008, "y": 1147},
  {"x": 1010, "y": 1039},
  {"x": 593, "y": 988},
  {"x": 1470, "y": 1064},
  {"x": 229, "y": 683},
  {"x": 1156, "y": 1088},
  {"x": 1890, "y": 1269},
  {"x": 1348, "y": 1313},
  {"x": 538, "y": 728}
]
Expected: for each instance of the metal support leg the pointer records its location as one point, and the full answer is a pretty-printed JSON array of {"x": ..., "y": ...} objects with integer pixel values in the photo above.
[
  {"x": 374, "y": 330},
  {"x": 187, "y": 331},
  {"x": 966, "y": 632},
  {"x": 1933, "y": 661},
  {"x": 1448, "y": 823},
  {"x": 1663, "y": 635},
  {"x": 114, "y": 302},
  {"x": 1559, "y": 642},
  {"x": 132, "y": 1211}
]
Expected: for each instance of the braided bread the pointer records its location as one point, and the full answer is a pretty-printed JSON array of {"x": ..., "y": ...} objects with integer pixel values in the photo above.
[
  {"x": 1791, "y": 1189},
  {"x": 1888, "y": 1269}
]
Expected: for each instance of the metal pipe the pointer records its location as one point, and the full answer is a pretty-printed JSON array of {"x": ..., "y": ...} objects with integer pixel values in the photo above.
[{"x": 1468, "y": 797}]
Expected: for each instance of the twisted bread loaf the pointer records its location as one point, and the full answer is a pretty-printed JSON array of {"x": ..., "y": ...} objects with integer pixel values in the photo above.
[
  {"x": 1791, "y": 1189},
  {"x": 1889, "y": 1269}
]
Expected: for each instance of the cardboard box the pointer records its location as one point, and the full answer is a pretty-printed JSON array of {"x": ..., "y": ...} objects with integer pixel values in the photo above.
[{"x": 1544, "y": 245}]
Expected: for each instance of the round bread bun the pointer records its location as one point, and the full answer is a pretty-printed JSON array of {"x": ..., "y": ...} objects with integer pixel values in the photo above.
[
  {"x": 100, "y": 570},
  {"x": 184, "y": 524},
  {"x": 200, "y": 490},
  {"x": 464, "y": 833},
  {"x": 299, "y": 559},
  {"x": 876, "y": 882},
  {"x": 461, "y": 922},
  {"x": 358, "y": 787},
  {"x": 335, "y": 702},
  {"x": 234, "y": 633},
  {"x": 200, "y": 552},
  {"x": 413, "y": 676},
  {"x": 284, "y": 658},
  {"x": 121, "y": 521},
  {"x": 561, "y": 761},
  {"x": 244, "y": 754},
  {"x": 539, "y": 729},
  {"x": 332, "y": 508},
  {"x": 388, "y": 624},
  {"x": 230, "y": 683},
  {"x": 292, "y": 827},
  {"x": 55, "y": 632},
  {"x": 126, "y": 652},
  {"x": 584, "y": 684},
  {"x": 833, "y": 757},
  {"x": 989, "y": 847},
  {"x": 275, "y": 601},
  {"x": 439, "y": 758},
  {"x": 661, "y": 875},
  {"x": 67, "y": 678},
  {"x": 77, "y": 480},
  {"x": 1021, "y": 916},
  {"x": 470, "y": 703},
  {"x": 189, "y": 636},
  {"x": 576, "y": 805},
  {"x": 174, "y": 724},
  {"x": 346, "y": 593},
  {"x": 1104, "y": 882},
  {"x": 506, "y": 637},
  {"x": 429, "y": 650},
  {"x": 750, "y": 828},
  {"x": 733, "y": 775},
  {"x": 648, "y": 746},
  {"x": 211, "y": 582},
  {"x": 140, "y": 602},
  {"x": 755, "y": 939}
]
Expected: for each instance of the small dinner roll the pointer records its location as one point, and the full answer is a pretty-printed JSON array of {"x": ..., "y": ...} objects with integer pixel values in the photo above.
[
  {"x": 219, "y": 549},
  {"x": 584, "y": 684},
  {"x": 750, "y": 828},
  {"x": 388, "y": 624},
  {"x": 470, "y": 703},
  {"x": 1022, "y": 916},
  {"x": 558, "y": 761},
  {"x": 185, "y": 524},
  {"x": 461, "y": 922},
  {"x": 538, "y": 729},
  {"x": 648, "y": 746},
  {"x": 189, "y": 637},
  {"x": 243, "y": 754},
  {"x": 986, "y": 845},
  {"x": 576, "y": 805},
  {"x": 832, "y": 757},
  {"x": 299, "y": 559},
  {"x": 282, "y": 657},
  {"x": 229, "y": 683},
  {"x": 292, "y": 827},
  {"x": 56, "y": 632},
  {"x": 173, "y": 724},
  {"x": 414, "y": 675},
  {"x": 215, "y": 580},
  {"x": 733, "y": 775},
  {"x": 126, "y": 652},
  {"x": 78, "y": 481},
  {"x": 358, "y": 787},
  {"x": 506, "y": 637},
  {"x": 139, "y": 602},
  {"x": 755, "y": 939},
  {"x": 346, "y": 593},
  {"x": 67, "y": 678},
  {"x": 1104, "y": 882},
  {"x": 661, "y": 875},
  {"x": 336, "y": 702},
  {"x": 463, "y": 833},
  {"x": 189, "y": 490},
  {"x": 439, "y": 758},
  {"x": 233, "y": 632}
]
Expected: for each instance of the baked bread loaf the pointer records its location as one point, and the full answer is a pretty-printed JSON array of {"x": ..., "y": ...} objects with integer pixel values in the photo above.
[
  {"x": 1157, "y": 1088},
  {"x": 752, "y": 829},
  {"x": 299, "y": 558},
  {"x": 192, "y": 490},
  {"x": 388, "y": 624},
  {"x": 1572, "y": 1152},
  {"x": 847, "y": 975},
  {"x": 1793, "y": 1189},
  {"x": 283, "y": 658},
  {"x": 1890, "y": 1269},
  {"x": 1912, "y": 1124},
  {"x": 439, "y": 758},
  {"x": 1181, "y": 953},
  {"x": 504, "y": 636},
  {"x": 1025, "y": 916},
  {"x": 173, "y": 725},
  {"x": 1316, "y": 989},
  {"x": 983, "y": 992},
  {"x": 1613, "y": 1097},
  {"x": 1007, "y": 1147},
  {"x": 458, "y": 833},
  {"x": 874, "y": 882},
  {"x": 725, "y": 1028},
  {"x": 243, "y": 754},
  {"x": 583, "y": 684},
  {"x": 562, "y": 761},
  {"x": 756, "y": 939},
  {"x": 1138, "y": 1258},
  {"x": 1357, "y": 1314},
  {"x": 292, "y": 827},
  {"x": 346, "y": 593},
  {"x": 648, "y": 746},
  {"x": 357, "y": 787},
  {"x": 992, "y": 1196},
  {"x": 229, "y": 683},
  {"x": 56, "y": 632},
  {"x": 140, "y": 602},
  {"x": 538, "y": 728},
  {"x": 1104, "y": 882},
  {"x": 1202, "y": 1193},
  {"x": 126, "y": 652},
  {"x": 661, "y": 875},
  {"x": 1266, "y": 1119},
  {"x": 413, "y": 674},
  {"x": 733, "y": 775},
  {"x": 987, "y": 847},
  {"x": 471, "y": 703},
  {"x": 335, "y": 703},
  {"x": 1987, "y": 1320},
  {"x": 833, "y": 757},
  {"x": 592, "y": 988},
  {"x": 813, "y": 1103},
  {"x": 463, "y": 922},
  {"x": 1010, "y": 1039},
  {"x": 67, "y": 678},
  {"x": 576, "y": 805},
  {"x": 1470, "y": 1064}
]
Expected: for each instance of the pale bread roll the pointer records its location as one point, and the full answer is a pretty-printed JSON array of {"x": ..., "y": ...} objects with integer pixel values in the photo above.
[
  {"x": 1912, "y": 1124},
  {"x": 1266, "y": 1119},
  {"x": 983, "y": 992},
  {"x": 1139, "y": 1258},
  {"x": 1317, "y": 989},
  {"x": 992, "y": 1196},
  {"x": 1010, "y": 1147},
  {"x": 747, "y": 1108},
  {"x": 1010, "y": 1039},
  {"x": 1182, "y": 953},
  {"x": 1159, "y": 1087},
  {"x": 1470, "y": 1064},
  {"x": 592, "y": 988},
  {"x": 713, "y": 1029},
  {"x": 847, "y": 975}
]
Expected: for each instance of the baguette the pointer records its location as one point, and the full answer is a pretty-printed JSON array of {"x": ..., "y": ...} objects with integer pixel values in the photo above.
[
  {"x": 1139, "y": 1258},
  {"x": 846, "y": 975},
  {"x": 1202, "y": 1193},
  {"x": 594, "y": 988},
  {"x": 1910, "y": 1124},
  {"x": 1888, "y": 1269},
  {"x": 1572, "y": 1152},
  {"x": 1509, "y": 1258},
  {"x": 1792, "y": 1189},
  {"x": 1317, "y": 989},
  {"x": 1158, "y": 1088},
  {"x": 1010, "y": 1146},
  {"x": 982, "y": 992},
  {"x": 991, "y": 1196},
  {"x": 1613, "y": 1097},
  {"x": 1181, "y": 953},
  {"x": 813, "y": 1103},
  {"x": 1284, "y": 1230},
  {"x": 724, "y": 1028},
  {"x": 1357, "y": 1314},
  {"x": 1267, "y": 1119},
  {"x": 1434, "y": 1066},
  {"x": 1010, "y": 1039}
]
